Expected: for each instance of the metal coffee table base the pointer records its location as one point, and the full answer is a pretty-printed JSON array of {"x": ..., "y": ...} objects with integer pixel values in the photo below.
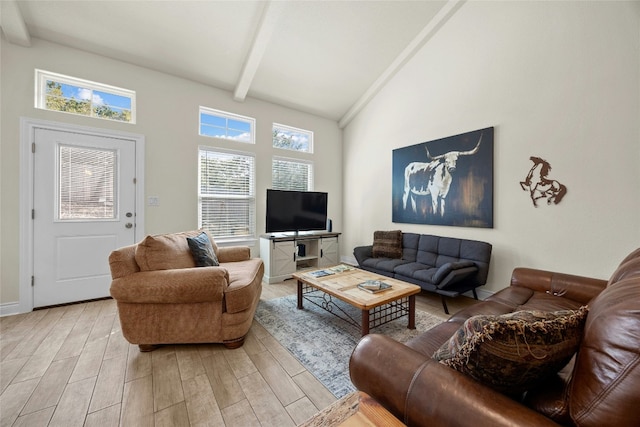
[{"x": 371, "y": 318}]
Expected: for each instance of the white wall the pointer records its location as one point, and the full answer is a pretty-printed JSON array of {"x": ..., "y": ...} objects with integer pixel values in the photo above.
[
  {"x": 168, "y": 117},
  {"x": 558, "y": 80}
]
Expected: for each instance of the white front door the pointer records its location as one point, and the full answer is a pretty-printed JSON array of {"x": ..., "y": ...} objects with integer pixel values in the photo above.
[{"x": 83, "y": 208}]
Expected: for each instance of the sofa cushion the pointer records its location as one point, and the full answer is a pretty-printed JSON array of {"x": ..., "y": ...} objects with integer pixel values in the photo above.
[
  {"x": 416, "y": 271},
  {"x": 202, "y": 251},
  {"x": 387, "y": 244},
  {"x": 168, "y": 251},
  {"x": 384, "y": 265},
  {"x": 513, "y": 352}
]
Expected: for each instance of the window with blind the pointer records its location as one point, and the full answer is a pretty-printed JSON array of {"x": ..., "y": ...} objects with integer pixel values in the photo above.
[
  {"x": 291, "y": 174},
  {"x": 86, "y": 185},
  {"x": 226, "y": 194}
]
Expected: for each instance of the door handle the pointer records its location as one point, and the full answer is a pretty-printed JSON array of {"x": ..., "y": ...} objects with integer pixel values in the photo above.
[{"x": 128, "y": 225}]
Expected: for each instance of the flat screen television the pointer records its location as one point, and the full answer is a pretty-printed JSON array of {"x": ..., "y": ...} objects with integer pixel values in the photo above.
[{"x": 294, "y": 211}]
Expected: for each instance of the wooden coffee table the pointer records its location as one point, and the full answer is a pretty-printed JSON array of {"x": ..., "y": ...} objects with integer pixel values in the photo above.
[{"x": 376, "y": 308}]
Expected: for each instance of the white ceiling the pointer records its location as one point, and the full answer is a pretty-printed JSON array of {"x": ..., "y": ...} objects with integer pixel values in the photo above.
[{"x": 323, "y": 57}]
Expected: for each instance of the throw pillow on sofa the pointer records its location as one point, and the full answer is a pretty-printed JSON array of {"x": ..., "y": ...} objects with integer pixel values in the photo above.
[
  {"x": 387, "y": 244},
  {"x": 202, "y": 251},
  {"x": 513, "y": 352}
]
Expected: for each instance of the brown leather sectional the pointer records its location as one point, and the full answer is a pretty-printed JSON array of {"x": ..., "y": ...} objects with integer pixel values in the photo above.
[{"x": 599, "y": 387}]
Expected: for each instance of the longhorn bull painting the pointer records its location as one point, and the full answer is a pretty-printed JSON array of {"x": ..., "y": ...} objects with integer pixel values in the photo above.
[
  {"x": 447, "y": 181},
  {"x": 541, "y": 187}
]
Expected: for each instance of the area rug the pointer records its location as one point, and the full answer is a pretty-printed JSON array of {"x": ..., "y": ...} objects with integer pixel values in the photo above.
[{"x": 323, "y": 342}]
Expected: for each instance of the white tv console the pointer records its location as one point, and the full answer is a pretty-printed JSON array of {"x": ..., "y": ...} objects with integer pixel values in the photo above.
[{"x": 281, "y": 256}]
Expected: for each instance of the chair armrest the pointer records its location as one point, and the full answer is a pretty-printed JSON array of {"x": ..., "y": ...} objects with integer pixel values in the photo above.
[
  {"x": 363, "y": 252},
  {"x": 453, "y": 272},
  {"x": 578, "y": 288},
  {"x": 233, "y": 253},
  {"x": 420, "y": 391},
  {"x": 185, "y": 285}
]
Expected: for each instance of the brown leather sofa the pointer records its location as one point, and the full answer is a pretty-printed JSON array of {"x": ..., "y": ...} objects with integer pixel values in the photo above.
[
  {"x": 163, "y": 298},
  {"x": 599, "y": 387}
]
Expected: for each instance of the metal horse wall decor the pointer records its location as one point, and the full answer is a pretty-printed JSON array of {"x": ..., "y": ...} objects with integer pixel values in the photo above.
[
  {"x": 541, "y": 187},
  {"x": 446, "y": 182}
]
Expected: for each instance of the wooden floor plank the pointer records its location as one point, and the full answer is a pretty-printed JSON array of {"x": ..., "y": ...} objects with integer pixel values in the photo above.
[
  {"x": 240, "y": 414},
  {"x": 189, "y": 361},
  {"x": 110, "y": 384},
  {"x": 9, "y": 369},
  {"x": 173, "y": 416},
  {"x": 224, "y": 384},
  {"x": 138, "y": 363},
  {"x": 35, "y": 419},
  {"x": 107, "y": 417},
  {"x": 264, "y": 402},
  {"x": 72, "y": 408},
  {"x": 13, "y": 399},
  {"x": 167, "y": 387},
  {"x": 301, "y": 410},
  {"x": 239, "y": 362},
  {"x": 282, "y": 385},
  {"x": 201, "y": 403},
  {"x": 319, "y": 395},
  {"x": 137, "y": 403},
  {"x": 51, "y": 386}
]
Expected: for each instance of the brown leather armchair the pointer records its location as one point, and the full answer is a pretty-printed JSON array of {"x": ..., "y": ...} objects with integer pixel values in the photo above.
[
  {"x": 163, "y": 298},
  {"x": 599, "y": 387}
]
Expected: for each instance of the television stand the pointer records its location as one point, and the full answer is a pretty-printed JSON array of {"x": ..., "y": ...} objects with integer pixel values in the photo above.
[{"x": 283, "y": 255}]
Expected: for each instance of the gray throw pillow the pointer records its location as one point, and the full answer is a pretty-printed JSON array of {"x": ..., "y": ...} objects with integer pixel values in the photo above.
[{"x": 202, "y": 251}]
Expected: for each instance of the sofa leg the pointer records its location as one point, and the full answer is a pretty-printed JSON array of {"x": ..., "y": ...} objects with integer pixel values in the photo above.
[
  {"x": 237, "y": 343},
  {"x": 147, "y": 347},
  {"x": 444, "y": 304},
  {"x": 475, "y": 295}
]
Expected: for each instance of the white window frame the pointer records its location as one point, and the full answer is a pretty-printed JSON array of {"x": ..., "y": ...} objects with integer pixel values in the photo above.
[
  {"x": 250, "y": 238},
  {"x": 225, "y": 114},
  {"x": 40, "y": 102},
  {"x": 291, "y": 160},
  {"x": 292, "y": 129}
]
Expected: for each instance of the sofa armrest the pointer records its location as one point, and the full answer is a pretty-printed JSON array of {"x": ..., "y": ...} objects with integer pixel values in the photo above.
[
  {"x": 578, "y": 288},
  {"x": 363, "y": 252},
  {"x": 420, "y": 391},
  {"x": 185, "y": 285},
  {"x": 233, "y": 253}
]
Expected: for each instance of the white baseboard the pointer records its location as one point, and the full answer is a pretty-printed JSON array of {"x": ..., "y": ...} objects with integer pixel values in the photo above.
[{"x": 9, "y": 309}]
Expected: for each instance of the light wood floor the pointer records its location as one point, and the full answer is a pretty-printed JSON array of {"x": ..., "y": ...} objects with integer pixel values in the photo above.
[{"x": 70, "y": 366}]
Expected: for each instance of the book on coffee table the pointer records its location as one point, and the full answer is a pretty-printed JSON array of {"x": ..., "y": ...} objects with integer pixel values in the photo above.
[
  {"x": 320, "y": 273},
  {"x": 374, "y": 286}
]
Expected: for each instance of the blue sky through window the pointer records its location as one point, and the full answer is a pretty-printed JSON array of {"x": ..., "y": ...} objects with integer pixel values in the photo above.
[
  {"x": 97, "y": 97},
  {"x": 219, "y": 126}
]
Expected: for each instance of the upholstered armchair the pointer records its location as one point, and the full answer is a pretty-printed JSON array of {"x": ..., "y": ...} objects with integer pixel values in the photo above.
[{"x": 164, "y": 298}]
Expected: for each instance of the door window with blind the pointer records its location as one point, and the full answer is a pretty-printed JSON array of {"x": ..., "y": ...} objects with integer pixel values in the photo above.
[
  {"x": 291, "y": 174},
  {"x": 86, "y": 184},
  {"x": 226, "y": 194}
]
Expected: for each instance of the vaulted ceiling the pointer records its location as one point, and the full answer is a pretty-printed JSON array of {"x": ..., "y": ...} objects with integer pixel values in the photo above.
[{"x": 323, "y": 57}]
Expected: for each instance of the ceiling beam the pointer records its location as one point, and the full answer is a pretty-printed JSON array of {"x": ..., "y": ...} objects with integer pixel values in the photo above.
[
  {"x": 13, "y": 25},
  {"x": 412, "y": 48},
  {"x": 267, "y": 25}
]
